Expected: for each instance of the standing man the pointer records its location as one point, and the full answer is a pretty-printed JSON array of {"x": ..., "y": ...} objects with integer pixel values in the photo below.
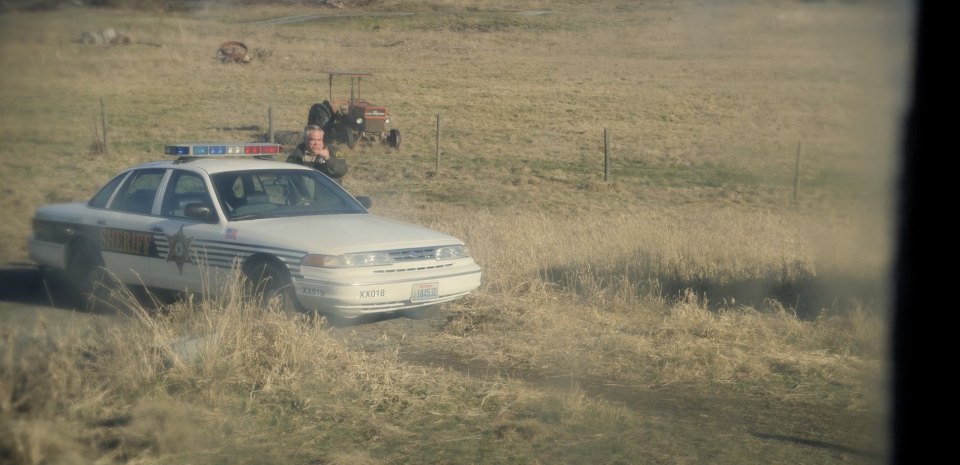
[{"x": 313, "y": 152}]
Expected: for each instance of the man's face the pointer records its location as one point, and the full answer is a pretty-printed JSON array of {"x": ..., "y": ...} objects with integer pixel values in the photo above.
[{"x": 315, "y": 141}]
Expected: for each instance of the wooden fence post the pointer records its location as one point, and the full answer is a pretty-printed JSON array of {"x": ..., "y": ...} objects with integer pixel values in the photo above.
[
  {"x": 270, "y": 124},
  {"x": 438, "y": 144},
  {"x": 103, "y": 122},
  {"x": 606, "y": 155},
  {"x": 796, "y": 175}
]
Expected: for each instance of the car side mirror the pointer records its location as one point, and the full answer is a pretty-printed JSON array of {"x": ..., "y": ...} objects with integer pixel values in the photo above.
[
  {"x": 198, "y": 211},
  {"x": 365, "y": 201}
]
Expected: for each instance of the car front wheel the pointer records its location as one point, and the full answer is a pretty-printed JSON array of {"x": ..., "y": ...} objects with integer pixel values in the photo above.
[{"x": 268, "y": 281}]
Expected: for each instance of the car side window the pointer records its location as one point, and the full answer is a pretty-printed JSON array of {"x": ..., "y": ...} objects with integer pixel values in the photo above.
[
  {"x": 184, "y": 188},
  {"x": 137, "y": 193},
  {"x": 100, "y": 200}
]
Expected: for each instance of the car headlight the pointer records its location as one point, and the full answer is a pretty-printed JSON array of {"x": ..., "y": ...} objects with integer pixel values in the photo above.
[
  {"x": 359, "y": 120},
  {"x": 386, "y": 121},
  {"x": 451, "y": 252},
  {"x": 348, "y": 260}
]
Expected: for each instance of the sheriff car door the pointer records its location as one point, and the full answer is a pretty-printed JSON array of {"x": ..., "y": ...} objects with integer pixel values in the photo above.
[
  {"x": 126, "y": 241},
  {"x": 182, "y": 240}
]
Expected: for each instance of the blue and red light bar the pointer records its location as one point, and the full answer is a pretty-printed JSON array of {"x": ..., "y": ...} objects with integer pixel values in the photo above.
[{"x": 223, "y": 149}]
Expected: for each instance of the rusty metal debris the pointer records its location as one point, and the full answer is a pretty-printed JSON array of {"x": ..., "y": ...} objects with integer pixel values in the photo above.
[{"x": 233, "y": 51}]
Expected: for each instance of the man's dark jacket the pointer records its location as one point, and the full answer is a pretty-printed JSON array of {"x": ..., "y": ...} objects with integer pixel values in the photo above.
[{"x": 335, "y": 167}]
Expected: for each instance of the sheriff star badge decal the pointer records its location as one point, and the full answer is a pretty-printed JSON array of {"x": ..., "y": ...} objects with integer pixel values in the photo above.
[{"x": 179, "y": 249}]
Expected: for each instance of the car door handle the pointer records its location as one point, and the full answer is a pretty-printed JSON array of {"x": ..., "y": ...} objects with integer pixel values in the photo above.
[
  {"x": 102, "y": 222},
  {"x": 157, "y": 229}
]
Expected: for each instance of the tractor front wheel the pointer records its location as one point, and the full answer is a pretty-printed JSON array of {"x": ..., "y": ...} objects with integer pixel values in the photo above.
[
  {"x": 393, "y": 140},
  {"x": 345, "y": 135}
]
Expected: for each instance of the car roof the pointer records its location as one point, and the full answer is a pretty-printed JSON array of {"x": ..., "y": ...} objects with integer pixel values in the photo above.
[{"x": 213, "y": 165}]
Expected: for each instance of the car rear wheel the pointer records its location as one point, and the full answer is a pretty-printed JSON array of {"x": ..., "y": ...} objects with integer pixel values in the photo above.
[
  {"x": 85, "y": 275},
  {"x": 268, "y": 281}
]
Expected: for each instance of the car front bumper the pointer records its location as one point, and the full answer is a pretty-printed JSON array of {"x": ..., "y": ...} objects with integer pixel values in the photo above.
[{"x": 350, "y": 293}]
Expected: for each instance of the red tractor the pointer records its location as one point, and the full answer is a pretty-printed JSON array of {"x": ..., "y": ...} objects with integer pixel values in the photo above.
[{"x": 357, "y": 119}]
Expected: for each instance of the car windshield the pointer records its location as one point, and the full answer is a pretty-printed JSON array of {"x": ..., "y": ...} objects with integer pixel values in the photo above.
[{"x": 246, "y": 195}]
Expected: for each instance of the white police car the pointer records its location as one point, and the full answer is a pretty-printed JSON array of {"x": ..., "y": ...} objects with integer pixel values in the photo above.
[{"x": 185, "y": 223}]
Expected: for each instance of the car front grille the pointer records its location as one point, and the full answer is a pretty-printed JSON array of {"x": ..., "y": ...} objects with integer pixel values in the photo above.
[
  {"x": 412, "y": 255},
  {"x": 415, "y": 268},
  {"x": 404, "y": 256}
]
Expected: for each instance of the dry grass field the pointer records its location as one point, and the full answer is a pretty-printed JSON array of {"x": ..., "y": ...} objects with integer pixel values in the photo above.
[{"x": 686, "y": 310}]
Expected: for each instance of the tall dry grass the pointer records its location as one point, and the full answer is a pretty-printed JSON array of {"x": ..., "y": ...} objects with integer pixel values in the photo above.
[
  {"x": 586, "y": 297},
  {"x": 212, "y": 379},
  {"x": 223, "y": 381}
]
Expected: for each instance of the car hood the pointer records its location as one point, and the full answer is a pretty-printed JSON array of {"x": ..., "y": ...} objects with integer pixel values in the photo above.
[{"x": 337, "y": 234}]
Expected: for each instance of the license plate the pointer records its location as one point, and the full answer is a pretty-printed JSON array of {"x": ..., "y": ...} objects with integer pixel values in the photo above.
[{"x": 424, "y": 292}]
